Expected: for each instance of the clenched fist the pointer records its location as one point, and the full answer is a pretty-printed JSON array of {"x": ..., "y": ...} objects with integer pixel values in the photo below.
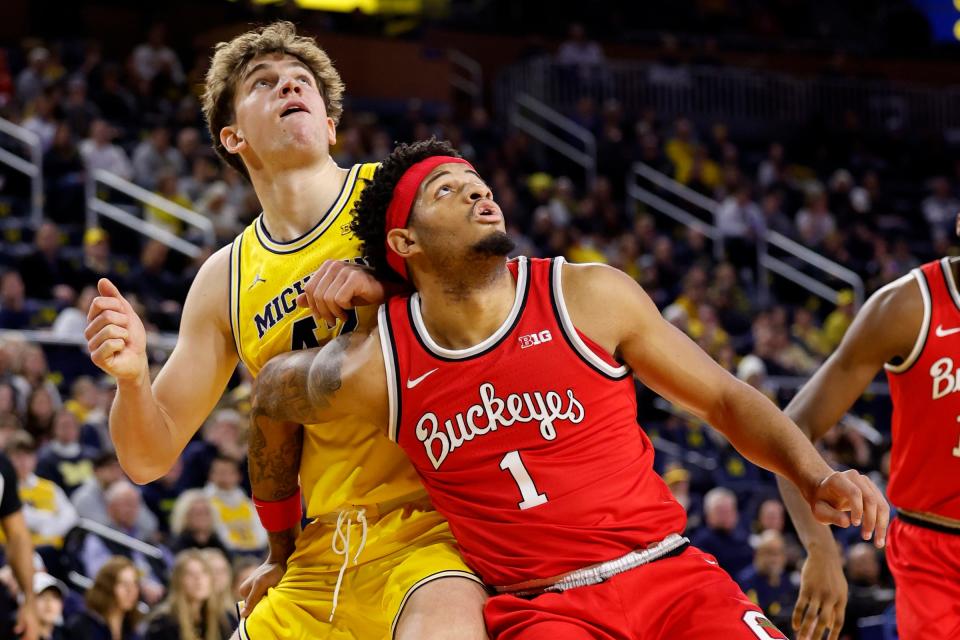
[{"x": 115, "y": 335}]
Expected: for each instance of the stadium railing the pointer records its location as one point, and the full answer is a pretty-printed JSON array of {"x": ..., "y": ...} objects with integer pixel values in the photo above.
[
  {"x": 794, "y": 266},
  {"x": 97, "y": 206},
  {"x": 32, "y": 168},
  {"x": 747, "y": 97},
  {"x": 549, "y": 127},
  {"x": 466, "y": 75}
]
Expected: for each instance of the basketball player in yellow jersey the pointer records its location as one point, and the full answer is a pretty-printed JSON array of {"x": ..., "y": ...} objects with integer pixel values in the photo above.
[{"x": 376, "y": 561}]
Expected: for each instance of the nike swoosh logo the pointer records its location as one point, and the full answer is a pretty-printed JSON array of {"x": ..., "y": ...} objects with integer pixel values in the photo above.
[
  {"x": 943, "y": 333},
  {"x": 412, "y": 383}
]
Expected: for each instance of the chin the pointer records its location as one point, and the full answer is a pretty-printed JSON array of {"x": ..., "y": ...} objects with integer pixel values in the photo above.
[{"x": 497, "y": 243}]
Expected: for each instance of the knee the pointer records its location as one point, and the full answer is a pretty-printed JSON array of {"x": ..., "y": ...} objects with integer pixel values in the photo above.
[{"x": 439, "y": 629}]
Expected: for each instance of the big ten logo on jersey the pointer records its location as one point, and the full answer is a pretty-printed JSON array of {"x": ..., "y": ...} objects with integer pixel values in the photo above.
[
  {"x": 946, "y": 378},
  {"x": 534, "y": 339}
]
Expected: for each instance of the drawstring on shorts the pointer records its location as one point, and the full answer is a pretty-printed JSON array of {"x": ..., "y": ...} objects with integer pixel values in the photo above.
[{"x": 341, "y": 545}]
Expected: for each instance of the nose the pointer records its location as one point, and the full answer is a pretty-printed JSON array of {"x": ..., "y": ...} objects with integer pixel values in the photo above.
[
  {"x": 476, "y": 191},
  {"x": 289, "y": 85}
]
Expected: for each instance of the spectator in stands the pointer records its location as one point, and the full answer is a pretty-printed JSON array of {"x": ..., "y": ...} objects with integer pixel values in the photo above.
[
  {"x": 223, "y": 580},
  {"x": 677, "y": 480},
  {"x": 766, "y": 582},
  {"x": 679, "y": 149},
  {"x": 772, "y": 170},
  {"x": 36, "y": 373},
  {"x": 64, "y": 460},
  {"x": 161, "y": 495},
  {"x": 721, "y": 535},
  {"x": 33, "y": 79},
  {"x": 155, "y": 156},
  {"x": 111, "y": 612},
  {"x": 71, "y": 322},
  {"x": 203, "y": 173},
  {"x": 46, "y": 508},
  {"x": 40, "y": 412},
  {"x": 16, "y": 312},
  {"x": 157, "y": 286},
  {"x": 215, "y": 205},
  {"x": 838, "y": 320},
  {"x": 154, "y": 58},
  {"x": 41, "y": 122},
  {"x": 46, "y": 273},
  {"x": 49, "y": 593},
  {"x": 220, "y": 437},
  {"x": 90, "y": 499},
  {"x": 191, "y": 609},
  {"x": 242, "y": 567},
  {"x": 166, "y": 187},
  {"x": 99, "y": 152},
  {"x": 740, "y": 222},
  {"x": 774, "y": 219},
  {"x": 192, "y": 522},
  {"x": 814, "y": 221},
  {"x": 115, "y": 102},
  {"x": 940, "y": 208},
  {"x": 78, "y": 111},
  {"x": 97, "y": 262},
  {"x": 123, "y": 507},
  {"x": 236, "y": 518},
  {"x": 84, "y": 401},
  {"x": 868, "y": 596},
  {"x": 190, "y": 148}
]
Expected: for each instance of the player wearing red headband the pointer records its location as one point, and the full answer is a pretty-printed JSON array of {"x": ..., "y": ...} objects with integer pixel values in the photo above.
[{"x": 508, "y": 383}]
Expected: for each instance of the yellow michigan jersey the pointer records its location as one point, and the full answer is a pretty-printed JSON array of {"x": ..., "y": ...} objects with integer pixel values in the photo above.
[
  {"x": 346, "y": 469},
  {"x": 346, "y": 464}
]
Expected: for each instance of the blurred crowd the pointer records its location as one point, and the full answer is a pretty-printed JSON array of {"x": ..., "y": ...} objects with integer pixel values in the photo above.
[{"x": 139, "y": 118}]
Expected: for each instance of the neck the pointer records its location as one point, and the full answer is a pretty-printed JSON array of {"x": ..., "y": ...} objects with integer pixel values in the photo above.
[
  {"x": 196, "y": 608},
  {"x": 115, "y": 621},
  {"x": 462, "y": 311},
  {"x": 294, "y": 199}
]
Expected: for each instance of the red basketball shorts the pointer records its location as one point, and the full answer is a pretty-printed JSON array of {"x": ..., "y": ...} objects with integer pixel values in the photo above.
[
  {"x": 685, "y": 596},
  {"x": 926, "y": 567}
]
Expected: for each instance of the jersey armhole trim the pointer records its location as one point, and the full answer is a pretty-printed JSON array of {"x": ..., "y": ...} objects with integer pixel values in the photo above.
[
  {"x": 390, "y": 362},
  {"x": 924, "y": 327},
  {"x": 569, "y": 331},
  {"x": 234, "y": 302},
  {"x": 950, "y": 281}
]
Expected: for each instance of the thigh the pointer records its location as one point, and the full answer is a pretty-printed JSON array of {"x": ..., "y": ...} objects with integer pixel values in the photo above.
[
  {"x": 690, "y": 596},
  {"x": 430, "y": 592},
  {"x": 926, "y": 568}
]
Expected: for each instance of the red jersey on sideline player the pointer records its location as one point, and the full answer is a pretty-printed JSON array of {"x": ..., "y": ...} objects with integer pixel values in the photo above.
[{"x": 911, "y": 328}]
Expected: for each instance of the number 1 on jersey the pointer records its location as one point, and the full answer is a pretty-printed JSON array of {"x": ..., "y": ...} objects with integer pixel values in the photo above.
[{"x": 528, "y": 491}]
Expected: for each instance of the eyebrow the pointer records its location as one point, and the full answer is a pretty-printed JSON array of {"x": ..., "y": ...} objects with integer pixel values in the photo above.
[
  {"x": 444, "y": 173},
  {"x": 260, "y": 66}
]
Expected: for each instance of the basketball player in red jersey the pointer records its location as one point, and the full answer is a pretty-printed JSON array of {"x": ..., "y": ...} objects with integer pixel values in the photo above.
[
  {"x": 508, "y": 384},
  {"x": 910, "y": 328}
]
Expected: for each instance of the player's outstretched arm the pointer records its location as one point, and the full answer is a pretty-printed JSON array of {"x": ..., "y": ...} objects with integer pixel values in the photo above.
[
  {"x": 615, "y": 312},
  {"x": 886, "y": 328},
  {"x": 151, "y": 424}
]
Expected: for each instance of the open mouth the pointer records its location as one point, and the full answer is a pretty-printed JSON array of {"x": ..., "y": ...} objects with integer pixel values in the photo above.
[
  {"x": 487, "y": 210},
  {"x": 294, "y": 108}
]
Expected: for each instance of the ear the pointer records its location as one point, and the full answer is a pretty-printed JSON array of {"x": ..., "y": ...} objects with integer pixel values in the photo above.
[
  {"x": 331, "y": 132},
  {"x": 232, "y": 139},
  {"x": 403, "y": 242}
]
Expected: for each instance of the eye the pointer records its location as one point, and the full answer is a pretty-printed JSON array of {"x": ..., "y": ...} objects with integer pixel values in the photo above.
[
  {"x": 260, "y": 83},
  {"x": 304, "y": 79},
  {"x": 444, "y": 190}
]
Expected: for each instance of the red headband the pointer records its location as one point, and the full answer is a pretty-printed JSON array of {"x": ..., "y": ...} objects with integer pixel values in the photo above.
[{"x": 398, "y": 212}]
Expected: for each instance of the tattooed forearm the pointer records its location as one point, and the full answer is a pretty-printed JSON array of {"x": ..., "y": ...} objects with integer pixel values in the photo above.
[
  {"x": 274, "y": 456},
  {"x": 299, "y": 386}
]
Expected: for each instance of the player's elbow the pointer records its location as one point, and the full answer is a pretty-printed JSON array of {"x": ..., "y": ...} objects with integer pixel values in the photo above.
[{"x": 141, "y": 470}]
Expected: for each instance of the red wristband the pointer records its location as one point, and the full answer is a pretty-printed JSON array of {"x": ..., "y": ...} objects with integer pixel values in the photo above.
[{"x": 279, "y": 515}]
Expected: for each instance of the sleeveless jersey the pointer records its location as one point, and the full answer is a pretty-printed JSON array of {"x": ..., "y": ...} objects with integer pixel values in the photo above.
[
  {"x": 925, "y": 390},
  {"x": 528, "y": 441},
  {"x": 348, "y": 465}
]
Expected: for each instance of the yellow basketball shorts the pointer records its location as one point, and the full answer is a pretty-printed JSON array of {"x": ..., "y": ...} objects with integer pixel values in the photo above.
[{"x": 403, "y": 550}]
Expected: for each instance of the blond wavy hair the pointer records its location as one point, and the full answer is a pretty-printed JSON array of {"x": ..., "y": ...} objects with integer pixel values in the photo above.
[{"x": 230, "y": 60}]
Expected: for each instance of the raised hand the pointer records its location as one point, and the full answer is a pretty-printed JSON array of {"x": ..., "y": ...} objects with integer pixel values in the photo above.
[{"x": 115, "y": 335}]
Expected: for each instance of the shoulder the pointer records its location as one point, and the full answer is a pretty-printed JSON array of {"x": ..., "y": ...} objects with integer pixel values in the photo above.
[{"x": 210, "y": 291}]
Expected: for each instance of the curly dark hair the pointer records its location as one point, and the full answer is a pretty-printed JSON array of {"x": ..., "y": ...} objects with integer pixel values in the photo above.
[{"x": 370, "y": 214}]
